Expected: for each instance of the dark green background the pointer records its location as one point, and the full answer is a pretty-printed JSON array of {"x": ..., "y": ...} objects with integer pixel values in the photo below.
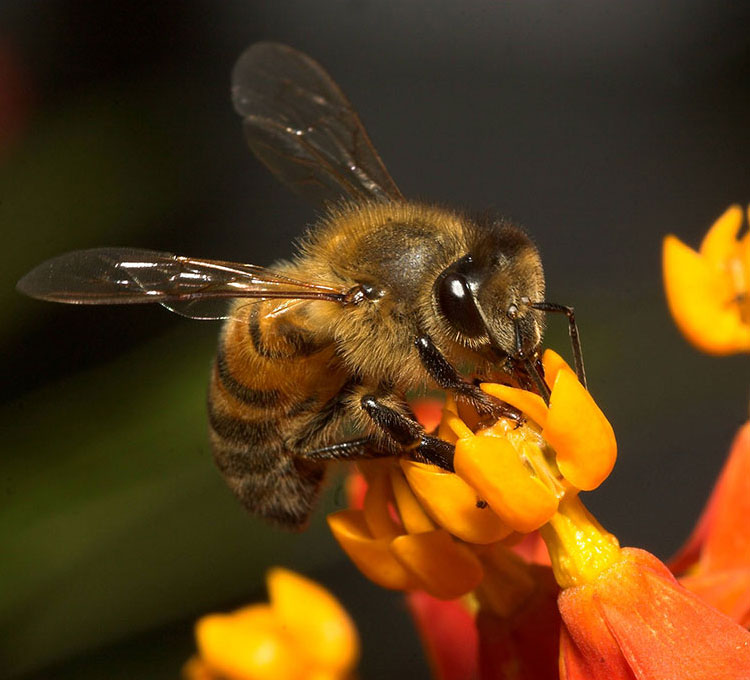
[{"x": 598, "y": 127}]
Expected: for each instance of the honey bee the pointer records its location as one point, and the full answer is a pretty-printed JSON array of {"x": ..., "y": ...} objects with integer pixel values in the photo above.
[{"x": 383, "y": 296}]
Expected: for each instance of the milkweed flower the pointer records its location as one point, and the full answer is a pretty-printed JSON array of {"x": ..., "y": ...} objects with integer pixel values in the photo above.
[
  {"x": 715, "y": 562},
  {"x": 302, "y": 634},
  {"x": 419, "y": 525},
  {"x": 707, "y": 289},
  {"x": 625, "y": 616}
]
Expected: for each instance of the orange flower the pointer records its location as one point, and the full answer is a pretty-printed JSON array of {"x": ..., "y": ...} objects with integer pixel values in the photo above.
[
  {"x": 304, "y": 633},
  {"x": 716, "y": 559},
  {"x": 416, "y": 519},
  {"x": 707, "y": 291},
  {"x": 625, "y": 616},
  {"x": 523, "y": 472}
]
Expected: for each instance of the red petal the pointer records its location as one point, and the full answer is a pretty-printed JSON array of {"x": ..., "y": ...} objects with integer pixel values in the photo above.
[
  {"x": 727, "y": 543},
  {"x": 637, "y": 614},
  {"x": 524, "y": 645},
  {"x": 690, "y": 552},
  {"x": 727, "y": 590},
  {"x": 448, "y": 634}
]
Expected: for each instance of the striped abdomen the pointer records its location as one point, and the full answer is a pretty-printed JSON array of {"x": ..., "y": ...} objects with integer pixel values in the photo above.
[{"x": 270, "y": 398}]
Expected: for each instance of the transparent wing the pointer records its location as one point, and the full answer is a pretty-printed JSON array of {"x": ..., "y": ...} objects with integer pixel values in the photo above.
[
  {"x": 199, "y": 289},
  {"x": 301, "y": 125}
]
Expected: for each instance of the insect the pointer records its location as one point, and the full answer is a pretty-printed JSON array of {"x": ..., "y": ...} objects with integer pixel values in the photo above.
[{"x": 316, "y": 355}]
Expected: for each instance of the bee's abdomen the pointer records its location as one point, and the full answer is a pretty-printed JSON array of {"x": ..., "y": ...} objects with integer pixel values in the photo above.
[{"x": 265, "y": 389}]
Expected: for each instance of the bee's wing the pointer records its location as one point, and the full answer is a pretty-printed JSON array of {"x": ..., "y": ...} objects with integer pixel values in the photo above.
[
  {"x": 199, "y": 289},
  {"x": 302, "y": 126}
]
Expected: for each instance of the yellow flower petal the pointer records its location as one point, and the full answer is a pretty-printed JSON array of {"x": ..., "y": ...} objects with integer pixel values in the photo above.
[
  {"x": 552, "y": 362},
  {"x": 446, "y": 569},
  {"x": 376, "y": 507},
  {"x": 579, "y": 433},
  {"x": 702, "y": 301},
  {"x": 248, "y": 644},
  {"x": 456, "y": 425},
  {"x": 492, "y": 466},
  {"x": 320, "y": 626},
  {"x": 527, "y": 402},
  {"x": 720, "y": 241},
  {"x": 452, "y": 503},
  {"x": 414, "y": 518},
  {"x": 371, "y": 555}
]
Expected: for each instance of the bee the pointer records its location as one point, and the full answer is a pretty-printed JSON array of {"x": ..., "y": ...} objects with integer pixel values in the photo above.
[{"x": 384, "y": 295}]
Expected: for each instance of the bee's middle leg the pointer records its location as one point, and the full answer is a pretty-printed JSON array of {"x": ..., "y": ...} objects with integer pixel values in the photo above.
[{"x": 407, "y": 433}]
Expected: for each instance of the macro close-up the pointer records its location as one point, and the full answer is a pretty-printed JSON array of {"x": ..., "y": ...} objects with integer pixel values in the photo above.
[{"x": 372, "y": 339}]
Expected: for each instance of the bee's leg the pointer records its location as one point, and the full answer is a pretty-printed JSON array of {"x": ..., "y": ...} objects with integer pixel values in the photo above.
[
  {"x": 355, "y": 449},
  {"x": 447, "y": 377},
  {"x": 407, "y": 433},
  {"x": 575, "y": 339}
]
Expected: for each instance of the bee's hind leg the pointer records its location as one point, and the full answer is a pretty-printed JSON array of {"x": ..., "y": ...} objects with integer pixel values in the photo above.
[{"x": 354, "y": 449}]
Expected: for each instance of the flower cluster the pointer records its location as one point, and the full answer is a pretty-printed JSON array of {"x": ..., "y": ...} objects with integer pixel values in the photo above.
[{"x": 420, "y": 527}]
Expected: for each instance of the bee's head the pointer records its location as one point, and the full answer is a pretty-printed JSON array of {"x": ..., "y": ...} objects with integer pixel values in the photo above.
[{"x": 484, "y": 298}]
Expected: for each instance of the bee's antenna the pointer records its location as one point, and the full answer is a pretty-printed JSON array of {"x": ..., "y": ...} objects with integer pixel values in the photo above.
[{"x": 575, "y": 339}]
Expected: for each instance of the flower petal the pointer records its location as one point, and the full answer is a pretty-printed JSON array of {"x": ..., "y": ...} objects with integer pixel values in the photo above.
[
  {"x": 636, "y": 621},
  {"x": 527, "y": 402},
  {"x": 701, "y": 301},
  {"x": 246, "y": 644},
  {"x": 727, "y": 590},
  {"x": 428, "y": 412},
  {"x": 445, "y": 569},
  {"x": 720, "y": 242},
  {"x": 552, "y": 362},
  {"x": 452, "y": 503},
  {"x": 371, "y": 555},
  {"x": 524, "y": 645},
  {"x": 727, "y": 544},
  {"x": 492, "y": 466},
  {"x": 579, "y": 433},
  {"x": 319, "y": 624},
  {"x": 377, "y": 511},
  {"x": 448, "y": 635},
  {"x": 413, "y": 517}
]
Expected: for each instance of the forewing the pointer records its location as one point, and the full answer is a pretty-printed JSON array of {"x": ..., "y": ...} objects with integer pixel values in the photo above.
[
  {"x": 302, "y": 126},
  {"x": 199, "y": 289}
]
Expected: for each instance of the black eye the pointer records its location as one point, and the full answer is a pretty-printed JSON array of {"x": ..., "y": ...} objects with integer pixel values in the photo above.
[{"x": 456, "y": 302}]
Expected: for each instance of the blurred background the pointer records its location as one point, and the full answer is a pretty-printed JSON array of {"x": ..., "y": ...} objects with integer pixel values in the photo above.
[{"x": 600, "y": 128}]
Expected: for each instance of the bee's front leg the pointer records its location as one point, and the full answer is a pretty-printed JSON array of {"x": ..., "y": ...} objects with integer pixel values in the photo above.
[
  {"x": 448, "y": 378},
  {"x": 407, "y": 433}
]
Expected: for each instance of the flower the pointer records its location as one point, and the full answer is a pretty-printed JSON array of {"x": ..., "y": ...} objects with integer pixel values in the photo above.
[
  {"x": 304, "y": 633},
  {"x": 625, "y": 616},
  {"x": 523, "y": 472},
  {"x": 419, "y": 526},
  {"x": 715, "y": 562},
  {"x": 707, "y": 290}
]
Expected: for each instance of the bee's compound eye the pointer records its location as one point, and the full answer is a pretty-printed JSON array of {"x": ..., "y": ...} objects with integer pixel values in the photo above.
[{"x": 457, "y": 304}]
